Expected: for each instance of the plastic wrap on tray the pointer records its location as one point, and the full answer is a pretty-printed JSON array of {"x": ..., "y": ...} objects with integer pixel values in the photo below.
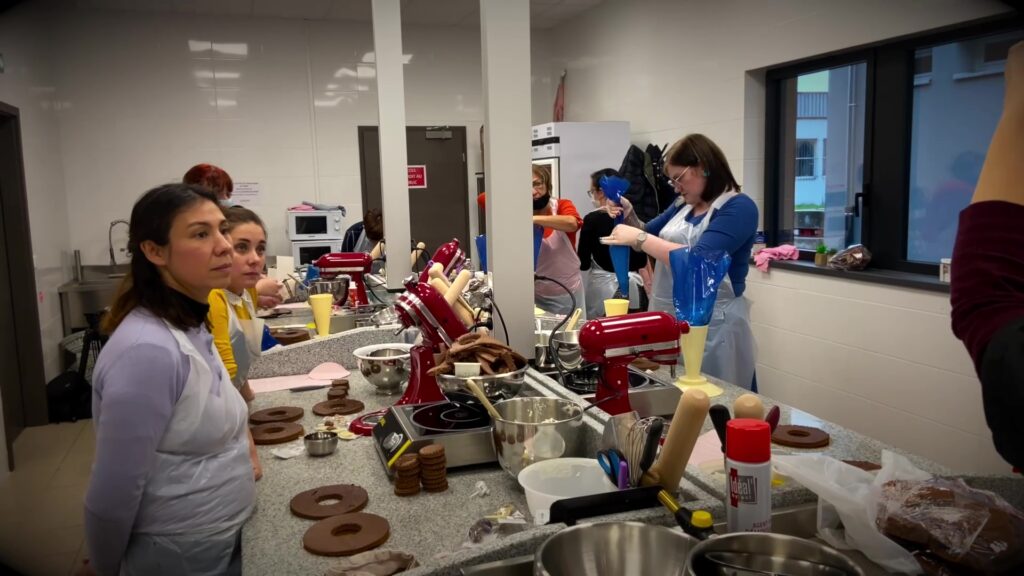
[{"x": 952, "y": 522}]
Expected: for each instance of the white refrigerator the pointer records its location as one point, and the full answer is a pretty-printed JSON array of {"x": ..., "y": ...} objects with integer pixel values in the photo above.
[{"x": 572, "y": 151}]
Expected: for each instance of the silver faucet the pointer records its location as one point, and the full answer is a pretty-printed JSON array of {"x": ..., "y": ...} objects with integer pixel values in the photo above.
[{"x": 110, "y": 239}]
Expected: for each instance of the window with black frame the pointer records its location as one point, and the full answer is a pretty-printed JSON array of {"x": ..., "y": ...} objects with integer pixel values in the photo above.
[{"x": 883, "y": 145}]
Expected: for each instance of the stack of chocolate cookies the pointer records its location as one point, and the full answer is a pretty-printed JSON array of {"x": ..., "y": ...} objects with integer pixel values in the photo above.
[
  {"x": 339, "y": 389},
  {"x": 433, "y": 468},
  {"x": 407, "y": 475}
]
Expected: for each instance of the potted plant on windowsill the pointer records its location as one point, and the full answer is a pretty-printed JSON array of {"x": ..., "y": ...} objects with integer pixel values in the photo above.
[{"x": 821, "y": 255}]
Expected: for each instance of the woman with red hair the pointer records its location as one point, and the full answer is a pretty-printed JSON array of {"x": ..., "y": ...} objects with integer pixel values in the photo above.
[{"x": 212, "y": 177}]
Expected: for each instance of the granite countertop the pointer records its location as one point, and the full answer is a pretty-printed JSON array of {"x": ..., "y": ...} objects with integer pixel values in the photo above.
[{"x": 434, "y": 526}]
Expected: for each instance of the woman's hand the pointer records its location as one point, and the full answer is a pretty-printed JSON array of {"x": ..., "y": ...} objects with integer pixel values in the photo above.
[
  {"x": 624, "y": 207},
  {"x": 257, "y": 468},
  {"x": 268, "y": 293},
  {"x": 622, "y": 235}
]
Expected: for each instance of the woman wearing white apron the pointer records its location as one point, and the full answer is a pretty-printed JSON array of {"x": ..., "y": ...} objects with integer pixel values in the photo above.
[
  {"x": 595, "y": 259},
  {"x": 237, "y": 332},
  {"x": 709, "y": 215},
  {"x": 557, "y": 259},
  {"x": 172, "y": 482}
]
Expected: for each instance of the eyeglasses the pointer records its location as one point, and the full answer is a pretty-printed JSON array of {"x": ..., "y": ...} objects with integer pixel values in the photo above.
[
  {"x": 591, "y": 192},
  {"x": 678, "y": 180},
  {"x": 538, "y": 184}
]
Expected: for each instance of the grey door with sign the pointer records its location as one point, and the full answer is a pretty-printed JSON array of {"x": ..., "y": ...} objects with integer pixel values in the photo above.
[{"x": 440, "y": 211}]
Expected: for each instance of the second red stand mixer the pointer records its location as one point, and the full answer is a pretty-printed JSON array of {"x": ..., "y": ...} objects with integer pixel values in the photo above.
[{"x": 614, "y": 342}]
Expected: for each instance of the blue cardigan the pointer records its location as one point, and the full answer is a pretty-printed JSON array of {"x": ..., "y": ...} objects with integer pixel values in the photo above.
[{"x": 733, "y": 228}]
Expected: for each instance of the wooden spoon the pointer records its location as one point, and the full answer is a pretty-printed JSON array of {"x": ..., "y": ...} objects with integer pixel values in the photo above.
[
  {"x": 571, "y": 325},
  {"x": 475, "y": 389}
]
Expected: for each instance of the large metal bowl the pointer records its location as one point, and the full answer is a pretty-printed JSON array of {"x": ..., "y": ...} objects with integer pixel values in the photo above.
[
  {"x": 762, "y": 553},
  {"x": 337, "y": 287},
  {"x": 614, "y": 549},
  {"x": 495, "y": 387},
  {"x": 386, "y": 366},
  {"x": 535, "y": 429}
]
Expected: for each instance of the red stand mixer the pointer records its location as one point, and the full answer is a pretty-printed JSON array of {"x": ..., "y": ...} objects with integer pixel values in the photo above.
[
  {"x": 423, "y": 307},
  {"x": 616, "y": 341},
  {"x": 354, "y": 264},
  {"x": 450, "y": 256}
]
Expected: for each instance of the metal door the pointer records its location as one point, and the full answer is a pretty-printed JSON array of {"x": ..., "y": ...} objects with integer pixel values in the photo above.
[{"x": 440, "y": 211}]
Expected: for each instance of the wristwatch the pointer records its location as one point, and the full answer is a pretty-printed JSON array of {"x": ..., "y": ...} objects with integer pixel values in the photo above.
[{"x": 639, "y": 244}]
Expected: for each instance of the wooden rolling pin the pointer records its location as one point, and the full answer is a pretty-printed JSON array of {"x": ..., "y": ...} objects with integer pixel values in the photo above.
[
  {"x": 748, "y": 406},
  {"x": 682, "y": 436},
  {"x": 465, "y": 316},
  {"x": 437, "y": 273},
  {"x": 416, "y": 252}
]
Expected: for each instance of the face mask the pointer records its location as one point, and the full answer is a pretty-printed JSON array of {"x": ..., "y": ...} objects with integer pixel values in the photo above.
[
  {"x": 539, "y": 203},
  {"x": 597, "y": 203}
]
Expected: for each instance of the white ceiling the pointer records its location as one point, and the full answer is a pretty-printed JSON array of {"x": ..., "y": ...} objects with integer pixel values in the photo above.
[{"x": 543, "y": 13}]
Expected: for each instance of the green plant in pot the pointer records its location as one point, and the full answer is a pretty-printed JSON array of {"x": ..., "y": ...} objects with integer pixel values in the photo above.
[{"x": 821, "y": 255}]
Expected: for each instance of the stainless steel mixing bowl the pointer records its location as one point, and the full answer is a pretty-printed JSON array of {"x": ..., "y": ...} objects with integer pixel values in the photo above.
[
  {"x": 614, "y": 549},
  {"x": 535, "y": 429},
  {"x": 386, "y": 366}
]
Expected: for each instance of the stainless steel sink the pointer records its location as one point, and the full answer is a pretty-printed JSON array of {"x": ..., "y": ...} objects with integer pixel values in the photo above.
[{"x": 799, "y": 521}]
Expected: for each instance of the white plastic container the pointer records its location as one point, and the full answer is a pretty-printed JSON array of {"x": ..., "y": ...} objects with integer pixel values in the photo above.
[
  {"x": 748, "y": 473},
  {"x": 559, "y": 478}
]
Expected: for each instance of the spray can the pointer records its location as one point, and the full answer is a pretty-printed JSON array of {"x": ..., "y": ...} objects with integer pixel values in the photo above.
[{"x": 748, "y": 470}]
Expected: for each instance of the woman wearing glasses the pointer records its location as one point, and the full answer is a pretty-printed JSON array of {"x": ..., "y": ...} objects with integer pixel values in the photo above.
[
  {"x": 710, "y": 214},
  {"x": 559, "y": 220}
]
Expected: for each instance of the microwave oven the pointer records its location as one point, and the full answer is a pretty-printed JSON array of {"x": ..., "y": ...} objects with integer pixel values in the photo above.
[
  {"x": 316, "y": 225},
  {"x": 306, "y": 252}
]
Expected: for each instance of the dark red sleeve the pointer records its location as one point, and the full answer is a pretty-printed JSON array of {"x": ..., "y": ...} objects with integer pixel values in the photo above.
[{"x": 987, "y": 290}]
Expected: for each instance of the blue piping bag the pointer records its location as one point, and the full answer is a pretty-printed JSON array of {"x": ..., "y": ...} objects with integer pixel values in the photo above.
[
  {"x": 481, "y": 248},
  {"x": 538, "y": 239},
  {"x": 614, "y": 187},
  {"x": 696, "y": 277}
]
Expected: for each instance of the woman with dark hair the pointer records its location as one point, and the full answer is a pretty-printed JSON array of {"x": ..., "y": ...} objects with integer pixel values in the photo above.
[
  {"x": 363, "y": 236},
  {"x": 172, "y": 482},
  {"x": 601, "y": 282},
  {"x": 710, "y": 215}
]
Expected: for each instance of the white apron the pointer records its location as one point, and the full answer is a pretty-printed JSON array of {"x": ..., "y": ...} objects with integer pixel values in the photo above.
[
  {"x": 558, "y": 260},
  {"x": 730, "y": 352},
  {"x": 201, "y": 488},
  {"x": 246, "y": 335},
  {"x": 602, "y": 285}
]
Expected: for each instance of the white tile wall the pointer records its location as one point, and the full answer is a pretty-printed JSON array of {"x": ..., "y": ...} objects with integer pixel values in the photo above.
[
  {"x": 157, "y": 96},
  {"x": 879, "y": 360}
]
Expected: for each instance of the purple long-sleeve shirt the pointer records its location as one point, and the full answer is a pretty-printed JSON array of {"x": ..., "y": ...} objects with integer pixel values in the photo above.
[{"x": 138, "y": 379}]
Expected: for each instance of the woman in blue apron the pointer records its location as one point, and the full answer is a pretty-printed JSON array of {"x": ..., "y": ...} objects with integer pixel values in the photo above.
[
  {"x": 710, "y": 214},
  {"x": 172, "y": 482}
]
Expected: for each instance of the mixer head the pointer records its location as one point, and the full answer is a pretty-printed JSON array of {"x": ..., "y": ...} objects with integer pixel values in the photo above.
[
  {"x": 651, "y": 335},
  {"x": 449, "y": 255},
  {"x": 330, "y": 265},
  {"x": 423, "y": 307}
]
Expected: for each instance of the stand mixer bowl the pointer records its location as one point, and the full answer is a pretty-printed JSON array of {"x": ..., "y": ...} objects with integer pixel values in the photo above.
[
  {"x": 386, "y": 366},
  {"x": 337, "y": 287},
  {"x": 495, "y": 386}
]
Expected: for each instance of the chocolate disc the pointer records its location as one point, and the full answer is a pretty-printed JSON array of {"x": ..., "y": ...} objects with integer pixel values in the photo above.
[
  {"x": 279, "y": 414},
  {"x": 337, "y": 393},
  {"x": 863, "y": 465},
  {"x": 288, "y": 336},
  {"x": 346, "y": 535},
  {"x": 276, "y": 432},
  {"x": 341, "y": 406},
  {"x": 350, "y": 498},
  {"x": 800, "y": 437}
]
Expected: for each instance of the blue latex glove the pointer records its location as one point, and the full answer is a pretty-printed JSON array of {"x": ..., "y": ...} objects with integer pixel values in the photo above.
[
  {"x": 481, "y": 248},
  {"x": 695, "y": 282},
  {"x": 538, "y": 239}
]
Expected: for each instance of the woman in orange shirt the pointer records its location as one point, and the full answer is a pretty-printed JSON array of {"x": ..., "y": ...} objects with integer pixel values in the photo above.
[{"x": 557, "y": 260}]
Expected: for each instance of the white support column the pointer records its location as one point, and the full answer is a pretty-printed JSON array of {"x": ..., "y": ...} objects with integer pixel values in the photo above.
[
  {"x": 505, "y": 31},
  {"x": 394, "y": 182}
]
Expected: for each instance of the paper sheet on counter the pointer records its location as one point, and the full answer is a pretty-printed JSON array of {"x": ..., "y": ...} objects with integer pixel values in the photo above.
[{"x": 261, "y": 385}]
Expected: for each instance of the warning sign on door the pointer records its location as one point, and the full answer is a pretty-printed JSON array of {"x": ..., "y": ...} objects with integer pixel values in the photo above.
[{"x": 417, "y": 176}]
